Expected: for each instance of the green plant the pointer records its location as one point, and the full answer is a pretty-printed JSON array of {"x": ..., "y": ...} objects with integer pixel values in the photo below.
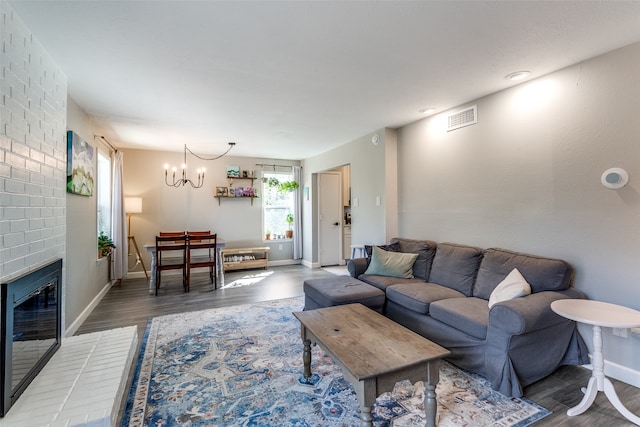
[
  {"x": 289, "y": 219},
  {"x": 105, "y": 244},
  {"x": 273, "y": 182},
  {"x": 288, "y": 186}
]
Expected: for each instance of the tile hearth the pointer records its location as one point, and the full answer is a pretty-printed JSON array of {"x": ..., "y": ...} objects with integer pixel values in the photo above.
[{"x": 82, "y": 385}]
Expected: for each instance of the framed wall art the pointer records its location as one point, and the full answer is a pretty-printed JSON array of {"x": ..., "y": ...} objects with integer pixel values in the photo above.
[{"x": 80, "y": 166}]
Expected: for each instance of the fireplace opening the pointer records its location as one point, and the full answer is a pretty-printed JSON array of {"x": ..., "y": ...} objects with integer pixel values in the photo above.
[{"x": 31, "y": 328}]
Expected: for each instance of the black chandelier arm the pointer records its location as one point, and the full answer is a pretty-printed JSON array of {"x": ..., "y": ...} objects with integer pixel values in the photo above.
[
  {"x": 183, "y": 181},
  {"x": 231, "y": 145}
]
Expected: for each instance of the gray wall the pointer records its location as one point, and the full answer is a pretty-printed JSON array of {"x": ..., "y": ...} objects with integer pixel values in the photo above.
[
  {"x": 368, "y": 181},
  {"x": 87, "y": 276},
  {"x": 527, "y": 178}
]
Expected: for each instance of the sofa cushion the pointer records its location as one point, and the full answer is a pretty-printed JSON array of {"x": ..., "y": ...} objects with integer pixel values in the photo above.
[
  {"x": 543, "y": 274},
  {"x": 339, "y": 290},
  {"x": 513, "y": 286},
  {"x": 469, "y": 315},
  {"x": 418, "y": 296},
  {"x": 455, "y": 266},
  {"x": 394, "y": 264},
  {"x": 383, "y": 282},
  {"x": 368, "y": 249},
  {"x": 426, "y": 250}
]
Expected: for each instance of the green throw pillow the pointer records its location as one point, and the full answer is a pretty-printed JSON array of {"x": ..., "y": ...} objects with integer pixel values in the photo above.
[{"x": 392, "y": 264}]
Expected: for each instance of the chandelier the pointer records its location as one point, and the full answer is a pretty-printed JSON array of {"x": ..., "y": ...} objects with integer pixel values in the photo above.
[{"x": 184, "y": 180}]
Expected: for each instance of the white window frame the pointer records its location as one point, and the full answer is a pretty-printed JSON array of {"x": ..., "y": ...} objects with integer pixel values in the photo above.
[
  {"x": 277, "y": 228},
  {"x": 103, "y": 193}
]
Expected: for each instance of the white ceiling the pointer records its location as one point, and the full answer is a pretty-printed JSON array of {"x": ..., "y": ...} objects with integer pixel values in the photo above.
[{"x": 294, "y": 79}]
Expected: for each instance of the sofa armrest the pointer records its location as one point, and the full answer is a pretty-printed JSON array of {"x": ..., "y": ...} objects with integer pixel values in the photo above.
[
  {"x": 530, "y": 313},
  {"x": 357, "y": 266}
]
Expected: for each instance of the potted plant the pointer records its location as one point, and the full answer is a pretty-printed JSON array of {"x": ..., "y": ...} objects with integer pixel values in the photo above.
[
  {"x": 105, "y": 245},
  {"x": 267, "y": 235},
  {"x": 283, "y": 187},
  {"x": 287, "y": 186},
  {"x": 272, "y": 182},
  {"x": 289, "y": 233}
]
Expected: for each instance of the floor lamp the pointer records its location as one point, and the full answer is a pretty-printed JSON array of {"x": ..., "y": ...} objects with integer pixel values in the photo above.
[{"x": 134, "y": 205}]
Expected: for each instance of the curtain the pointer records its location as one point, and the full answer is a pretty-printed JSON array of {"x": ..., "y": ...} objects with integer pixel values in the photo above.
[
  {"x": 297, "y": 213},
  {"x": 119, "y": 230}
]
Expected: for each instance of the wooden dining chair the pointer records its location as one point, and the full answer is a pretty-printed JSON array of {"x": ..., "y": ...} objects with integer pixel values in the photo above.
[
  {"x": 172, "y": 233},
  {"x": 171, "y": 254},
  {"x": 202, "y": 252},
  {"x": 195, "y": 236}
]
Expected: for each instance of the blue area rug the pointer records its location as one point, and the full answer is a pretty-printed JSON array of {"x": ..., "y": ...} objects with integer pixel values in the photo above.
[{"x": 242, "y": 366}]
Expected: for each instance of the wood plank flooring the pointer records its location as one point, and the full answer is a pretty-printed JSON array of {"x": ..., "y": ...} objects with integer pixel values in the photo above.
[{"x": 130, "y": 304}]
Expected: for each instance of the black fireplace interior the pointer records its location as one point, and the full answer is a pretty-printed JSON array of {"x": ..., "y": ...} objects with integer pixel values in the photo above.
[{"x": 31, "y": 328}]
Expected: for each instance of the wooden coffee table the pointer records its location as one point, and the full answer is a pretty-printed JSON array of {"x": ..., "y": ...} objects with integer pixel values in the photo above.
[{"x": 374, "y": 353}]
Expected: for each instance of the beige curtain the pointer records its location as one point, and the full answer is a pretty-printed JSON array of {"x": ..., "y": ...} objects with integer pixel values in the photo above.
[
  {"x": 119, "y": 230},
  {"x": 297, "y": 213}
]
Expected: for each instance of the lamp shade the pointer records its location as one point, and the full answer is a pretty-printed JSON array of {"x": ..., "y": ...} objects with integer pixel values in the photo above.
[{"x": 133, "y": 204}]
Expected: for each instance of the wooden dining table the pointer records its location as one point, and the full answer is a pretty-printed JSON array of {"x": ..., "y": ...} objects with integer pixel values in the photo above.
[{"x": 151, "y": 247}]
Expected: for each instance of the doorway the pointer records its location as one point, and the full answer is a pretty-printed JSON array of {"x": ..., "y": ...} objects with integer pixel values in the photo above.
[{"x": 329, "y": 218}]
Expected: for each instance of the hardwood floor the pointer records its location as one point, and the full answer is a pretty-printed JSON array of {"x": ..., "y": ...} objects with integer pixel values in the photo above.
[{"x": 130, "y": 304}]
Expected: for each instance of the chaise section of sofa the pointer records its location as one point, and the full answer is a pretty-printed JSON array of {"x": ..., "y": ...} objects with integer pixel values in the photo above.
[{"x": 513, "y": 343}]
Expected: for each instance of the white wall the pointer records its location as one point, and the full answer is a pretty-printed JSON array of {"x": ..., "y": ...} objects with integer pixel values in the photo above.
[
  {"x": 32, "y": 152},
  {"x": 527, "y": 178},
  {"x": 176, "y": 209}
]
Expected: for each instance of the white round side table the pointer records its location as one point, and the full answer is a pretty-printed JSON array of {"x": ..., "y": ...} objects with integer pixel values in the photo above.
[{"x": 598, "y": 314}]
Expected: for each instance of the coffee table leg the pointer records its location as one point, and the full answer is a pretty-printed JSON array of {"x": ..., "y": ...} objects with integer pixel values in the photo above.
[
  {"x": 430, "y": 402},
  {"x": 366, "y": 393},
  {"x": 306, "y": 358},
  {"x": 366, "y": 420}
]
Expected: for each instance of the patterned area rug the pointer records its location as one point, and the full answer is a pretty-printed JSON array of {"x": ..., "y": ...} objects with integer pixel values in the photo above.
[{"x": 242, "y": 366}]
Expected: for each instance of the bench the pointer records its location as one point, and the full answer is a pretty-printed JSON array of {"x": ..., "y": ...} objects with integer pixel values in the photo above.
[{"x": 242, "y": 258}]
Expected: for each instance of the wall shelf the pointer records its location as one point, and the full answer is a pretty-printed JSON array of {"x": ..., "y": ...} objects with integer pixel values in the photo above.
[
  {"x": 231, "y": 179},
  {"x": 236, "y": 198},
  {"x": 248, "y": 178}
]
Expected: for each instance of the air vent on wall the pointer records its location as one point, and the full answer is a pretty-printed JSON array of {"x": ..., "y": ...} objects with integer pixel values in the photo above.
[{"x": 460, "y": 119}]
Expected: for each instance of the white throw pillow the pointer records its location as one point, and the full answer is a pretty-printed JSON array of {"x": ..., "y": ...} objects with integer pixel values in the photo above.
[{"x": 513, "y": 286}]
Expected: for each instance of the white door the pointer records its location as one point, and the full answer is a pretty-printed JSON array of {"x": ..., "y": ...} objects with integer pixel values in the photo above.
[{"x": 330, "y": 217}]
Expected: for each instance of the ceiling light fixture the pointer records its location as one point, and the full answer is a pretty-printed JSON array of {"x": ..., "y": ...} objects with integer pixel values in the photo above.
[
  {"x": 184, "y": 180},
  {"x": 518, "y": 75},
  {"x": 426, "y": 110}
]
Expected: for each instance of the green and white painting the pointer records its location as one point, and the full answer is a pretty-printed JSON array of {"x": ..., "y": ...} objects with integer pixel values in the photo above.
[{"x": 80, "y": 165}]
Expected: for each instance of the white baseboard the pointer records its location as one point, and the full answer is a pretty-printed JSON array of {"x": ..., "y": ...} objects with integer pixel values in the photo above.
[
  {"x": 87, "y": 311},
  {"x": 283, "y": 262},
  {"x": 309, "y": 264},
  {"x": 622, "y": 373}
]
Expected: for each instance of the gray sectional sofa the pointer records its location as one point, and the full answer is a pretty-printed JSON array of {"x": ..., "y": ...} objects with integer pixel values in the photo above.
[{"x": 515, "y": 342}]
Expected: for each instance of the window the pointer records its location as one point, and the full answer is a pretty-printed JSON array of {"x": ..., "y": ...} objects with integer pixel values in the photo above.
[
  {"x": 104, "y": 194},
  {"x": 276, "y": 205}
]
